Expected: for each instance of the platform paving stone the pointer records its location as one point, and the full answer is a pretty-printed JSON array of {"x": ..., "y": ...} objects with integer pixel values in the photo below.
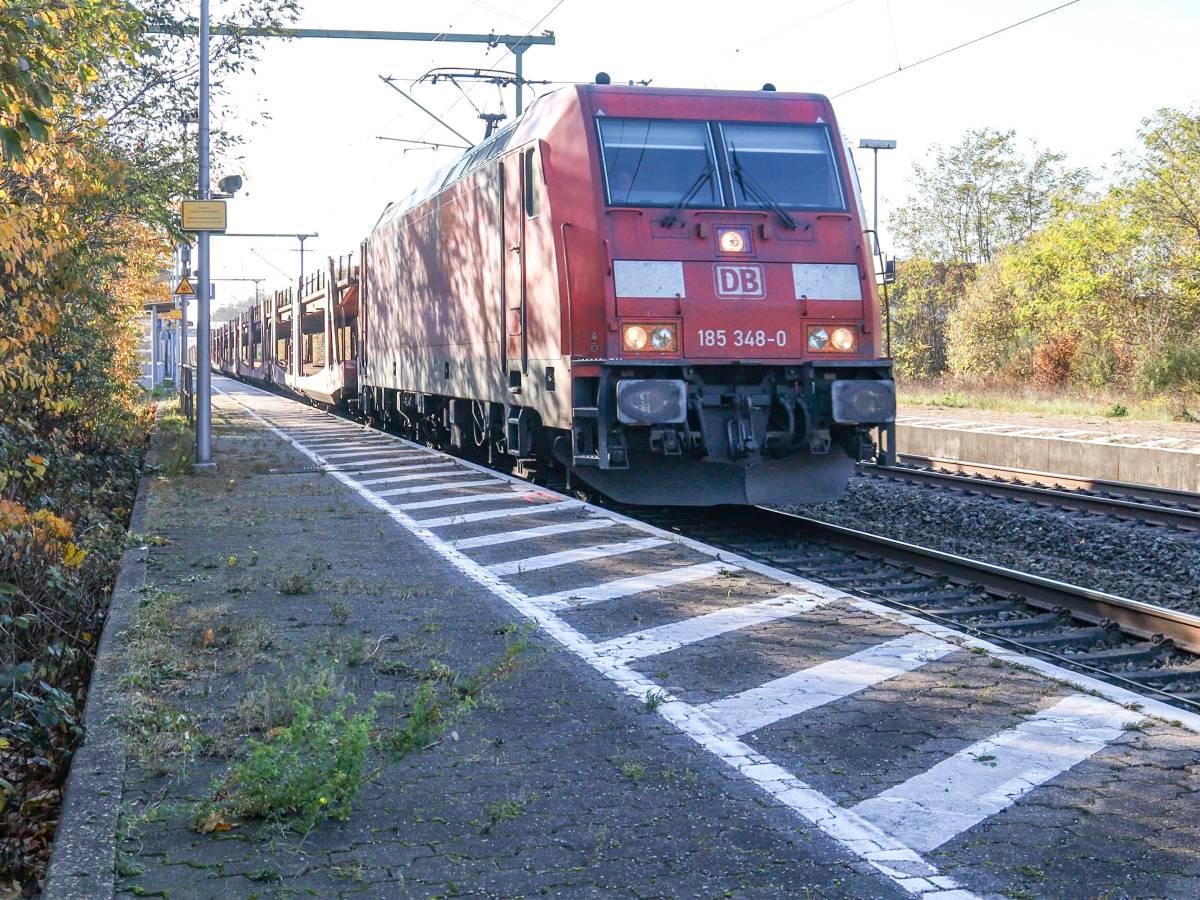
[{"x": 595, "y": 797}]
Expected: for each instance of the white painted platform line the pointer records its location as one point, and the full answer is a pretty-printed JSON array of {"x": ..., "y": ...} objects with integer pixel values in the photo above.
[
  {"x": 394, "y": 458},
  {"x": 352, "y": 440},
  {"x": 442, "y": 486},
  {"x": 382, "y": 451},
  {"x": 665, "y": 638},
  {"x": 892, "y": 859},
  {"x": 507, "y": 494},
  {"x": 637, "y": 584},
  {"x": 419, "y": 476},
  {"x": 566, "y": 557},
  {"x": 986, "y": 778},
  {"x": 530, "y": 510},
  {"x": 809, "y": 688},
  {"x": 407, "y": 467},
  {"x": 525, "y": 534}
]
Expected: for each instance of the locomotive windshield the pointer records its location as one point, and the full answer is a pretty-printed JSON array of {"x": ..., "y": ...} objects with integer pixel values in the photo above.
[
  {"x": 650, "y": 162},
  {"x": 657, "y": 162},
  {"x": 791, "y": 165}
]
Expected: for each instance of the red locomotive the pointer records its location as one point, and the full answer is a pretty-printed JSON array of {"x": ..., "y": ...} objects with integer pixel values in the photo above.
[{"x": 667, "y": 293}]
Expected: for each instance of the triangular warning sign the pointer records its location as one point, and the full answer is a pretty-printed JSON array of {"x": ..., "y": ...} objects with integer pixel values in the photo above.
[{"x": 185, "y": 288}]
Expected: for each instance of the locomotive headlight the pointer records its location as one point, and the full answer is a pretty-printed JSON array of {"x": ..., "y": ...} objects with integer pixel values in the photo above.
[
  {"x": 663, "y": 338},
  {"x": 635, "y": 337},
  {"x": 832, "y": 339},
  {"x": 733, "y": 240},
  {"x": 844, "y": 339},
  {"x": 656, "y": 337}
]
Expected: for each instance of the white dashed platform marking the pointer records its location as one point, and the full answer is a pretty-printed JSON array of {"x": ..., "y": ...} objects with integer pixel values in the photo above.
[
  {"x": 566, "y": 557},
  {"x": 665, "y": 638},
  {"x": 527, "y": 534},
  {"x": 988, "y": 777},
  {"x": 623, "y": 587},
  {"x": 824, "y": 683},
  {"x": 531, "y": 510},
  {"x": 419, "y": 476}
]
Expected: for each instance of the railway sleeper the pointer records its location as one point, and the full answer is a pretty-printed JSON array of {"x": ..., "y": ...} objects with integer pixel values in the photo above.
[
  {"x": 982, "y": 609},
  {"x": 1030, "y": 623},
  {"x": 1165, "y": 675},
  {"x": 1076, "y": 637},
  {"x": 1143, "y": 651},
  {"x": 917, "y": 589},
  {"x": 861, "y": 581}
]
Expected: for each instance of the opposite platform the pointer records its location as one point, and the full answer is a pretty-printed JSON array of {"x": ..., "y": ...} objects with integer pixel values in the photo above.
[{"x": 1163, "y": 454}]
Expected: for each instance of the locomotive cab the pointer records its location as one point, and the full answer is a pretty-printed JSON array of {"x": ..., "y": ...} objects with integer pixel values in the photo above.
[{"x": 741, "y": 354}]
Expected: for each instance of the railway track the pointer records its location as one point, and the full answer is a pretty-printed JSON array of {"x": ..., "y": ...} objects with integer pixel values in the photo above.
[
  {"x": 1142, "y": 646},
  {"x": 1143, "y": 503}
]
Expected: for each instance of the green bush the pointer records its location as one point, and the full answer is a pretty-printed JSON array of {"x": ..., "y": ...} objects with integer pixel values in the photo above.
[{"x": 1176, "y": 367}]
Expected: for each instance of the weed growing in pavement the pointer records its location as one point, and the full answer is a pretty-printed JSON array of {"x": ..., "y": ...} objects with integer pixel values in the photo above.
[
  {"x": 503, "y": 811},
  {"x": 653, "y": 700},
  {"x": 341, "y": 611},
  {"x": 272, "y": 703},
  {"x": 301, "y": 582},
  {"x": 632, "y": 769},
  {"x": 295, "y": 584},
  {"x": 311, "y": 770},
  {"x": 442, "y": 696},
  {"x": 1137, "y": 725}
]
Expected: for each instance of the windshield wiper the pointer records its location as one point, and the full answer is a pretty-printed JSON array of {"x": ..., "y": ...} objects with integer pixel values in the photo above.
[
  {"x": 751, "y": 187},
  {"x": 672, "y": 215}
]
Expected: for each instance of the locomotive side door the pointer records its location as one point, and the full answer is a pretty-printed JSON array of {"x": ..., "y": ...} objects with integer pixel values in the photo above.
[{"x": 512, "y": 234}]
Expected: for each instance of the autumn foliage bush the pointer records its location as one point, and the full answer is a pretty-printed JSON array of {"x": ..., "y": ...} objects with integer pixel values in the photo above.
[{"x": 1021, "y": 274}]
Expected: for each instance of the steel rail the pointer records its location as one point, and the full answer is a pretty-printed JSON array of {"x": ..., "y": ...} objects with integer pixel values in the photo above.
[
  {"x": 965, "y": 478},
  {"x": 1144, "y": 620}
]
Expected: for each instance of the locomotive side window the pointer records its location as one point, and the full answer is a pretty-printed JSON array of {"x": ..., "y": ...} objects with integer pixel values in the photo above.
[
  {"x": 532, "y": 202},
  {"x": 791, "y": 165},
  {"x": 651, "y": 162}
]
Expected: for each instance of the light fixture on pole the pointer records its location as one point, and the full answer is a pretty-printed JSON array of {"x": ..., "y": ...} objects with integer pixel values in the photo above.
[{"x": 875, "y": 145}]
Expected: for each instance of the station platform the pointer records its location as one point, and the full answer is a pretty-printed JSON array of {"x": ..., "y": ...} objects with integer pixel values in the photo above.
[
  {"x": 683, "y": 722},
  {"x": 1162, "y": 454}
]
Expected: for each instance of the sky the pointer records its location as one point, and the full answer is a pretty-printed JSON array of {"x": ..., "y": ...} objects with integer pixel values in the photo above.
[{"x": 1079, "y": 80}]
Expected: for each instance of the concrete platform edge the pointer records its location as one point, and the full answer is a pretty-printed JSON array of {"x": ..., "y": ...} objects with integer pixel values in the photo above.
[
  {"x": 82, "y": 862},
  {"x": 1162, "y": 467}
]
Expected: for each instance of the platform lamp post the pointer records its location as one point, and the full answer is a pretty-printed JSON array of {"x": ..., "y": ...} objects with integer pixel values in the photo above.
[
  {"x": 875, "y": 145},
  {"x": 203, "y": 295}
]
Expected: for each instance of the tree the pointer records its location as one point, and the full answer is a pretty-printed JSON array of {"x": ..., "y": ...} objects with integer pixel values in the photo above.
[
  {"x": 924, "y": 295},
  {"x": 1071, "y": 304},
  {"x": 89, "y": 185},
  {"x": 980, "y": 196}
]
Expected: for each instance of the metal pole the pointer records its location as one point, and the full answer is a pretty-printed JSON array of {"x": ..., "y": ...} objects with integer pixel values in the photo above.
[
  {"x": 519, "y": 52},
  {"x": 185, "y": 271},
  {"x": 875, "y": 224},
  {"x": 153, "y": 348},
  {"x": 203, "y": 355}
]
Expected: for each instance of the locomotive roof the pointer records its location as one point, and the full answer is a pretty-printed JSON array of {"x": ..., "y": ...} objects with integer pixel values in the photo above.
[{"x": 532, "y": 122}]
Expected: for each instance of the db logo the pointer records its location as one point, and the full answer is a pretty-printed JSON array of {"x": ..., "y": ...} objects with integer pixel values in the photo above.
[{"x": 744, "y": 281}]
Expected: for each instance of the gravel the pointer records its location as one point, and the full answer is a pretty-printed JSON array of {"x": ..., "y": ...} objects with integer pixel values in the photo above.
[{"x": 1155, "y": 564}]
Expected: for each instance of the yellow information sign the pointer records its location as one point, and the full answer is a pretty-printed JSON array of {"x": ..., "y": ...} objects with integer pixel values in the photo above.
[
  {"x": 184, "y": 288},
  {"x": 172, "y": 314},
  {"x": 203, "y": 215}
]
